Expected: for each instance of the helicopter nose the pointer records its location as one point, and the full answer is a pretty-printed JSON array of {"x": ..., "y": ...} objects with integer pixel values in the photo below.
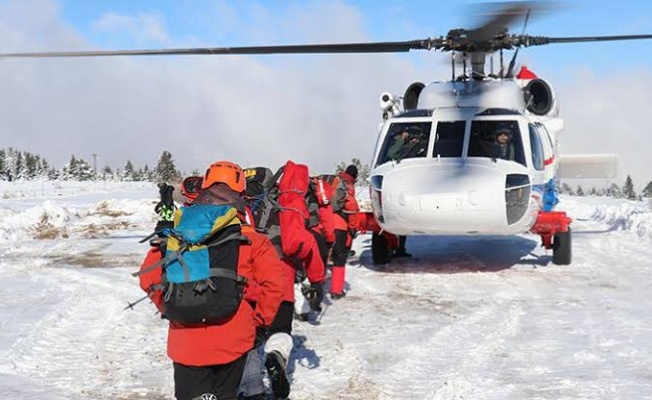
[{"x": 451, "y": 199}]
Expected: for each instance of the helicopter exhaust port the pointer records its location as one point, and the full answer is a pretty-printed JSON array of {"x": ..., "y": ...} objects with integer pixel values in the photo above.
[
  {"x": 539, "y": 97},
  {"x": 411, "y": 96}
]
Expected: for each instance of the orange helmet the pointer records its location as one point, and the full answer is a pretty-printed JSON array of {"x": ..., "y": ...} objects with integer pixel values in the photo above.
[{"x": 225, "y": 172}]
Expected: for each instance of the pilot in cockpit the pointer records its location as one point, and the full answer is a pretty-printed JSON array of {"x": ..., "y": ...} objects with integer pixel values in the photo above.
[
  {"x": 407, "y": 144},
  {"x": 504, "y": 143}
]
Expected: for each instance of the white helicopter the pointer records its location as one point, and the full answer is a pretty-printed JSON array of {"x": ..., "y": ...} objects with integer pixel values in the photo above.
[{"x": 437, "y": 166}]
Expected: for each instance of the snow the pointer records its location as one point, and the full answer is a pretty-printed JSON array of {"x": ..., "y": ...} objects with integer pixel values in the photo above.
[{"x": 466, "y": 318}]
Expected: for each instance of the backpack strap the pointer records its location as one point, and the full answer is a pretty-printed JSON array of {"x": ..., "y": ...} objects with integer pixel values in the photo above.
[
  {"x": 270, "y": 183},
  {"x": 268, "y": 211},
  {"x": 170, "y": 257}
]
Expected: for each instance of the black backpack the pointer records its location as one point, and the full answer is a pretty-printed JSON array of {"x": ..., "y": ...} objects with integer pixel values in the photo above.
[
  {"x": 200, "y": 283},
  {"x": 262, "y": 199}
]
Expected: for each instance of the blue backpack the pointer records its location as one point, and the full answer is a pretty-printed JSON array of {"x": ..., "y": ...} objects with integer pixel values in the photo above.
[{"x": 200, "y": 283}]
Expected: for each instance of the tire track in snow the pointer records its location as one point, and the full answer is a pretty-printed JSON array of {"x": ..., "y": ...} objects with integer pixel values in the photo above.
[
  {"x": 85, "y": 343},
  {"x": 462, "y": 351}
]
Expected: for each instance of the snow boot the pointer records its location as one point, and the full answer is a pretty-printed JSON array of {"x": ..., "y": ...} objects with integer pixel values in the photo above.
[
  {"x": 275, "y": 365},
  {"x": 337, "y": 296}
]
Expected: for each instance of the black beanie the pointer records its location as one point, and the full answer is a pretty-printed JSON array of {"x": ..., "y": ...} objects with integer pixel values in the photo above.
[{"x": 352, "y": 170}]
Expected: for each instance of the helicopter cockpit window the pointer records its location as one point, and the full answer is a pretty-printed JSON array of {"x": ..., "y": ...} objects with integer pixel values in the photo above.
[
  {"x": 496, "y": 139},
  {"x": 449, "y": 139},
  {"x": 405, "y": 140}
]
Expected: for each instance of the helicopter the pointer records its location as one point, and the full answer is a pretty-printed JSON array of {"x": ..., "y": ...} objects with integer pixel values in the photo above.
[{"x": 437, "y": 167}]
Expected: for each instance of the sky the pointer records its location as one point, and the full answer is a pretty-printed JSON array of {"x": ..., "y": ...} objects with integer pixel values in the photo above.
[
  {"x": 319, "y": 109},
  {"x": 488, "y": 318}
]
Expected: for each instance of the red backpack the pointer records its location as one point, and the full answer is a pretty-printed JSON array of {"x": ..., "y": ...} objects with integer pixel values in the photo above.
[{"x": 293, "y": 214}]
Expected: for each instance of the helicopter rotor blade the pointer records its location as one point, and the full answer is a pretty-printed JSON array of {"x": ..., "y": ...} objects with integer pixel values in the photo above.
[
  {"x": 498, "y": 22},
  {"x": 372, "y": 47},
  {"x": 583, "y": 39}
]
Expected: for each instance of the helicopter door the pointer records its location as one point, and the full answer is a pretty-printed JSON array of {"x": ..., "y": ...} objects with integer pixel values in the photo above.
[
  {"x": 548, "y": 151},
  {"x": 538, "y": 156},
  {"x": 486, "y": 142},
  {"x": 405, "y": 140}
]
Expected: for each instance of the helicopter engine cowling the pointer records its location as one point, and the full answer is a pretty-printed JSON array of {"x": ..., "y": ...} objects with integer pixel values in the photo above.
[
  {"x": 411, "y": 96},
  {"x": 540, "y": 98},
  {"x": 390, "y": 105}
]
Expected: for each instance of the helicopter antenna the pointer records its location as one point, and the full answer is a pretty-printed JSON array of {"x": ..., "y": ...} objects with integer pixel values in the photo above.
[{"x": 512, "y": 63}]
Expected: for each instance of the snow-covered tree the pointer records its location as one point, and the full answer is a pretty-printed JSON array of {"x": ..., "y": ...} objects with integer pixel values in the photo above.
[
  {"x": 614, "y": 191},
  {"x": 128, "y": 174},
  {"x": 628, "y": 189},
  {"x": 580, "y": 191},
  {"x": 647, "y": 191},
  {"x": 165, "y": 170},
  {"x": 566, "y": 189}
]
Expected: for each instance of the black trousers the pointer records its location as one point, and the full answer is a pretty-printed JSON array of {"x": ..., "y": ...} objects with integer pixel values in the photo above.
[
  {"x": 283, "y": 319},
  {"x": 221, "y": 380},
  {"x": 340, "y": 249},
  {"x": 322, "y": 245}
]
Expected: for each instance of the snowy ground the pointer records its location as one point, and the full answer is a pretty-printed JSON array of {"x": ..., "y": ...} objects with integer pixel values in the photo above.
[{"x": 466, "y": 318}]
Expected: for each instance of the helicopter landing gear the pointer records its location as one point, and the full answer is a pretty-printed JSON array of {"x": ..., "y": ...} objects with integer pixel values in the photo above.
[
  {"x": 380, "y": 250},
  {"x": 554, "y": 229},
  {"x": 561, "y": 248}
]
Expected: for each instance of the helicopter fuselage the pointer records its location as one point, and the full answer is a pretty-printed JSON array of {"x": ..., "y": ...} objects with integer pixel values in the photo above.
[{"x": 454, "y": 176}]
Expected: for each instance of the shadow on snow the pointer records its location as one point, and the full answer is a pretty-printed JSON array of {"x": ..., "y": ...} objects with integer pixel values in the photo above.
[{"x": 459, "y": 254}]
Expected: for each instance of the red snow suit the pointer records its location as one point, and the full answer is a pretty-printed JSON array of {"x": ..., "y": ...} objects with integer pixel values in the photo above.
[
  {"x": 224, "y": 343},
  {"x": 297, "y": 242}
]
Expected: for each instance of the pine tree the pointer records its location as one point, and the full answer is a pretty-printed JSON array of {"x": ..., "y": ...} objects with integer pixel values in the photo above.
[
  {"x": 68, "y": 171},
  {"x": 166, "y": 171},
  {"x": 614, "y": 191},
  {"x": 3, "y": 165},
  {"x": 30, "y": 166},
  {"x": 647, "y": 192},
  {"x": 128, "y": 174},
  {"x": 107, "y": 173},
  {"x": 19, "y": 166},
  {"x": 566, "y": 189},
  {"x": 147, "y": 174},
  {"x": 628, "y": 189},
  {"x": 579, "y": 192},
  {"x": 85, "y": 171}
]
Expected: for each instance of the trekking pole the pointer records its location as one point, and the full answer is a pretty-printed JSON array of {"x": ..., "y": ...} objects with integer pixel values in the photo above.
[{"x": 131, "y": 305}]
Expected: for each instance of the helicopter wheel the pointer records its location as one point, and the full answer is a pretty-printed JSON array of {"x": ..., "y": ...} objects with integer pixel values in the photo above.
[
  {"x": 561, "y": 248},
  {"x": 380, "y": 251}
]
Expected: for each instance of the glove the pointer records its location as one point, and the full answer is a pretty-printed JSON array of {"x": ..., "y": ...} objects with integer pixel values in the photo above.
[
  {"x": 160, "y": 225},
  {"x": 262, "y": 334},
  {"x": 315, "y": 294},
  {"x": 165, "y": 206}
]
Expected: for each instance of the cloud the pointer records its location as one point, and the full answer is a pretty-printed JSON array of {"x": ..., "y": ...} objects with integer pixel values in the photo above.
[
  {"x": 610, "y": 115},
  {"x": 142, "y": 28},
  {"x": 319, "y": 109},
  {"x": 256, "y": 110}
]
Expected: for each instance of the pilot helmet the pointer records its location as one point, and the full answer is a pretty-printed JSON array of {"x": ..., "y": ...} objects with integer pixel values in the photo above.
[{"x": 503, "y": 130}]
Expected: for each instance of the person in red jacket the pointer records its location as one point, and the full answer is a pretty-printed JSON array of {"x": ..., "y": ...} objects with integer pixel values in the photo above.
[
  {"x": 346, "y": 226},
  {"x": 297, "y": 249},
  {"x": 210, "y": 359}
]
